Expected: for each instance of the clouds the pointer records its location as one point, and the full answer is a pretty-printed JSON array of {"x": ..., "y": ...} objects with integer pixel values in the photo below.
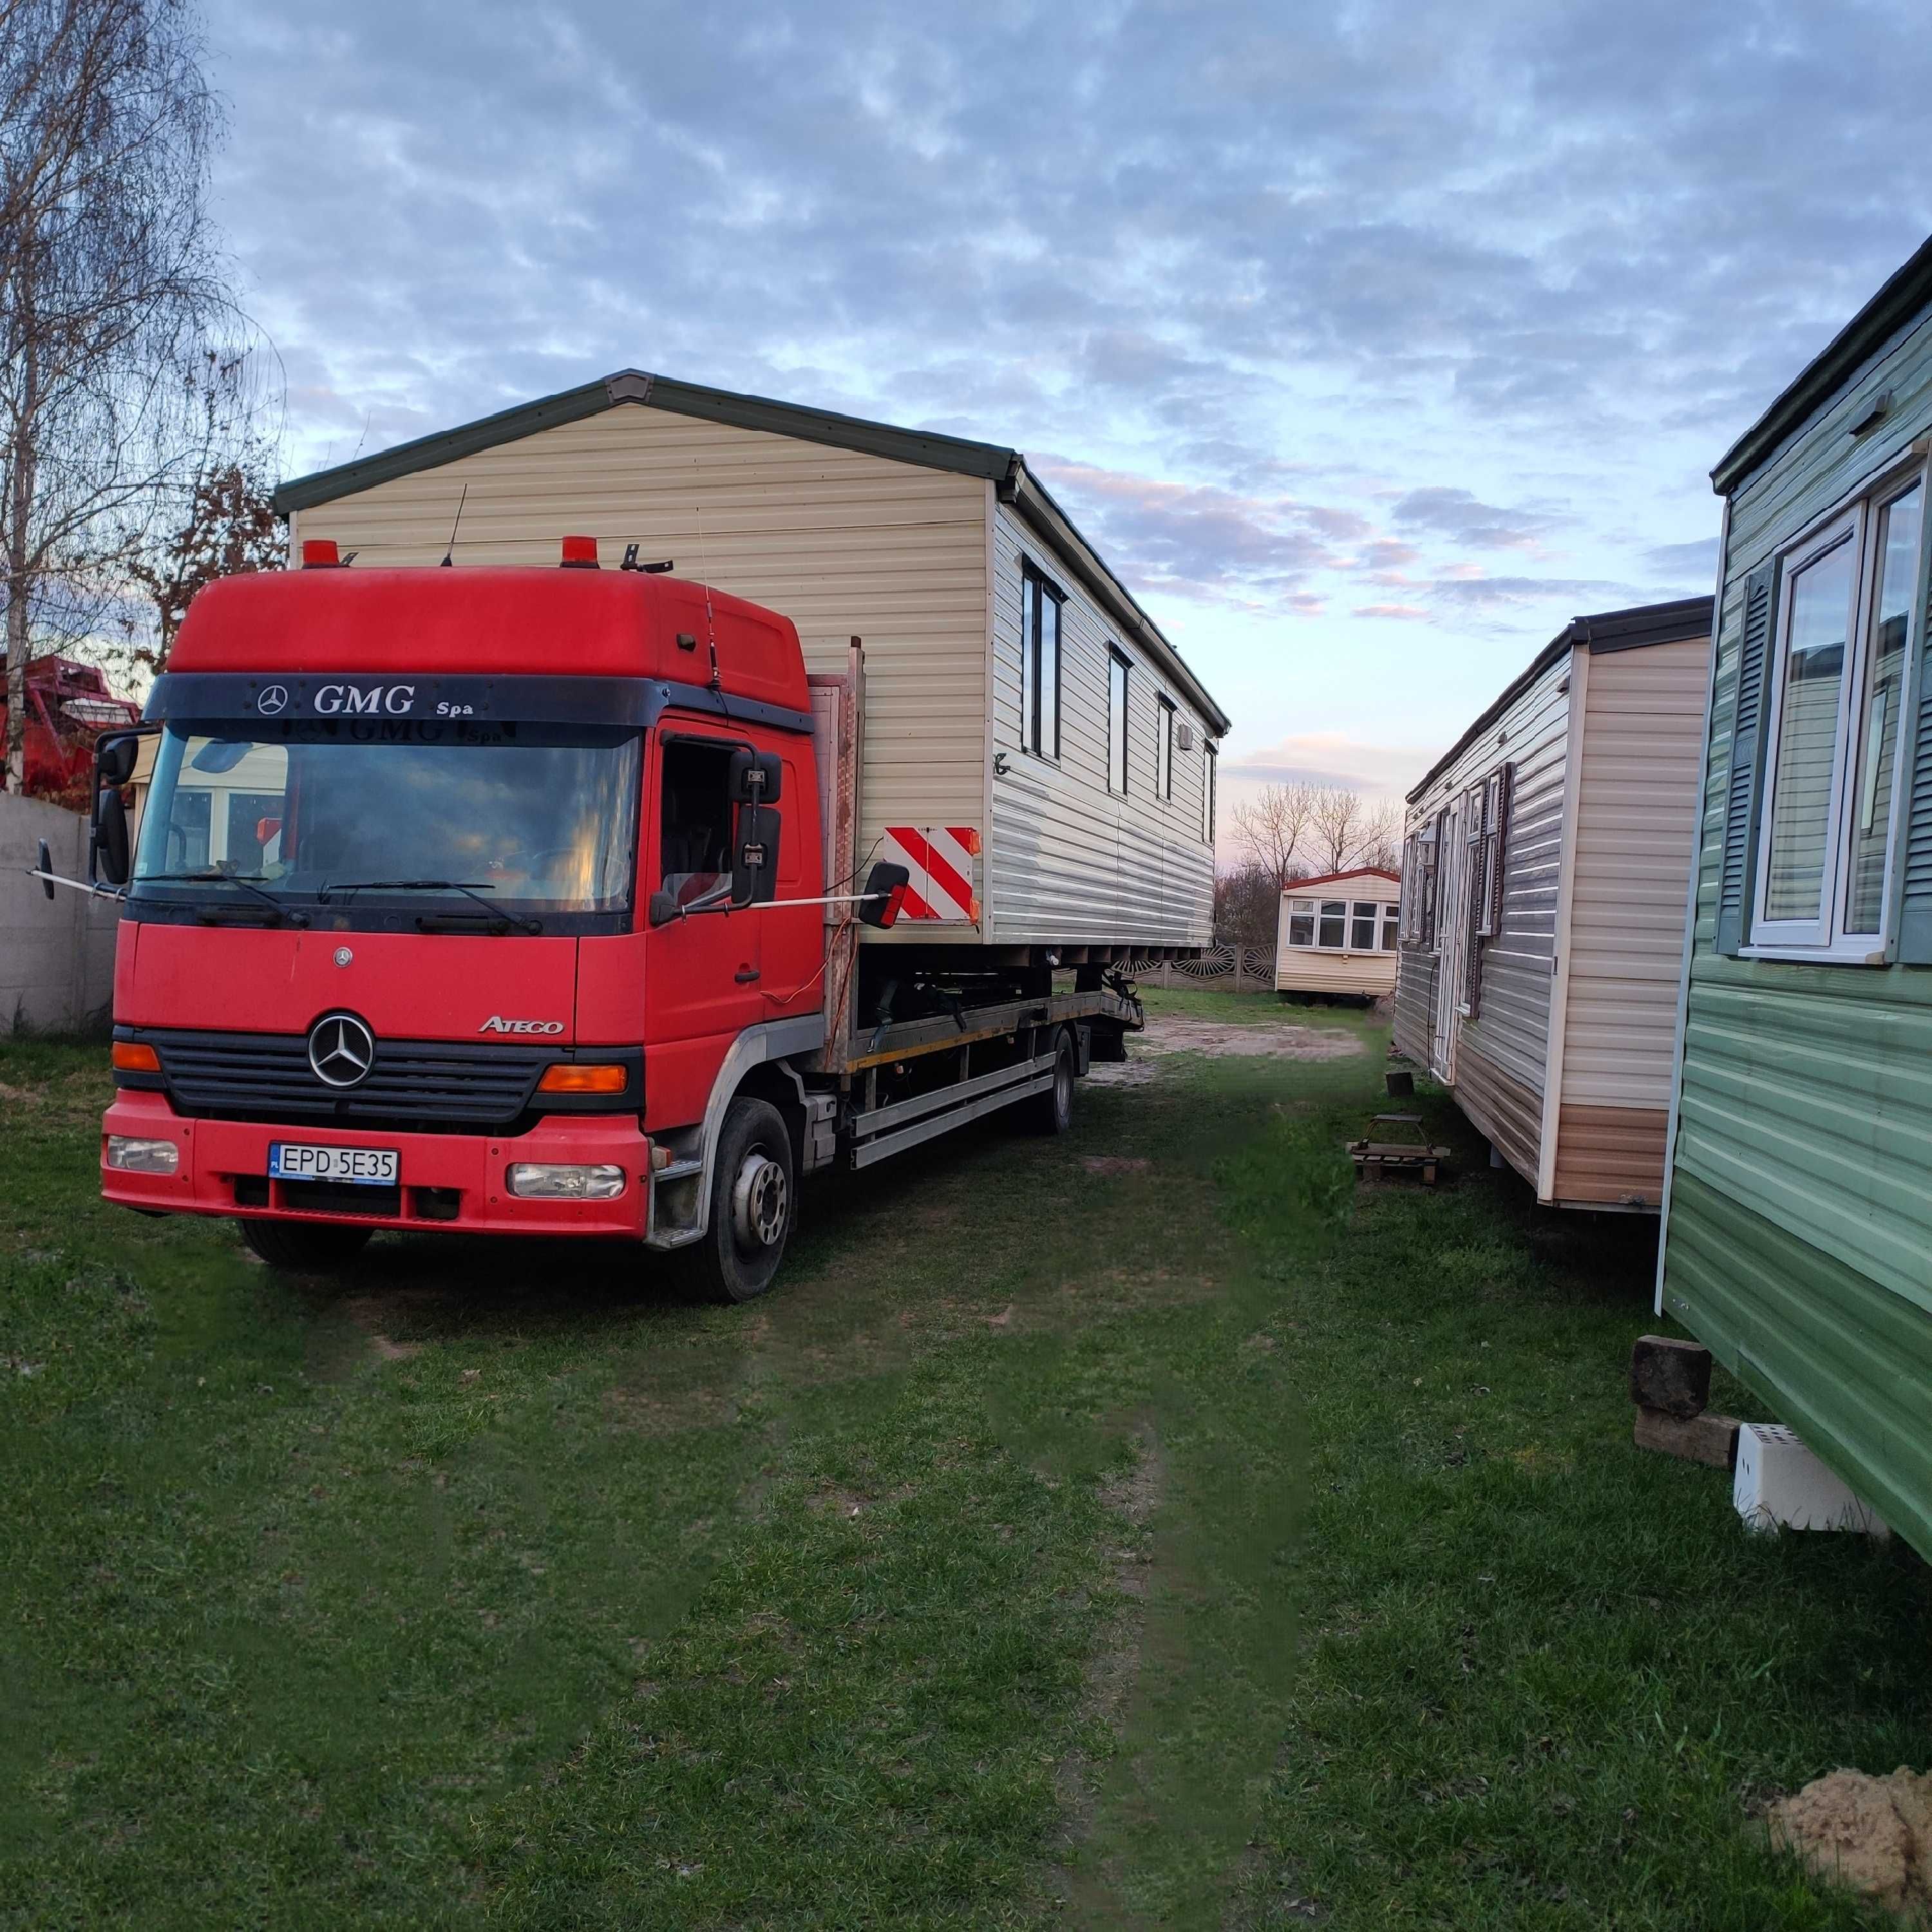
[
  {"x": 1470, "y": 523},
  {"x": 1337, "y": 326}
]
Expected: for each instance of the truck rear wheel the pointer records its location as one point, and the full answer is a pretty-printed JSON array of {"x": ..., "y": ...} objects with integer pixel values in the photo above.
[
  {"x": 753, "y": 1195},
  {"x": 1052, "y": 1112},
  {"x": 304, "y": 1247}
]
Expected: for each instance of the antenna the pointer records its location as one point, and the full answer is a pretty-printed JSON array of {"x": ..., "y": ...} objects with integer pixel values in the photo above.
[
  {"x": 704, "y": 569},
  {"x": 449, "y": 555}
]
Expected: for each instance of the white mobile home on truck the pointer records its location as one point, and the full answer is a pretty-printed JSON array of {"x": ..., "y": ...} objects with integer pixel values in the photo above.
[{"x": 1034, "y": 750}]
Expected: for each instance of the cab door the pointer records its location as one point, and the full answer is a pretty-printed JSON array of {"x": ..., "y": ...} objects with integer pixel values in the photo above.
[
  {"x": 703, "y": 969},
  {"x": 792, "y": 938}
]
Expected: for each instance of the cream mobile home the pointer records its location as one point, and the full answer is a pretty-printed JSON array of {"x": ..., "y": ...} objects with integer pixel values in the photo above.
[
  {"x": 1545, "y": 861},
  {"x": 1337, "y": 933},
  {"x": 1034, "y": 749}
]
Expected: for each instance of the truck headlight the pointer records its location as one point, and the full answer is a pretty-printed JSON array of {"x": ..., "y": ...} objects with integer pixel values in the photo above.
[
  {"x": 551, "y": 1180},
  {"x": 137, "y": 1156}
]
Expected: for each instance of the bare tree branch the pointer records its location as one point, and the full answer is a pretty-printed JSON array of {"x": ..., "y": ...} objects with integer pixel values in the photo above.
[
  {"x": 1271, "y": 828},
  {"x": 126, "y": 377}
]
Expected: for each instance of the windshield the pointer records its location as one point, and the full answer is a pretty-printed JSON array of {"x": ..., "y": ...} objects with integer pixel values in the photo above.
[{"x": 530, "y": 818}]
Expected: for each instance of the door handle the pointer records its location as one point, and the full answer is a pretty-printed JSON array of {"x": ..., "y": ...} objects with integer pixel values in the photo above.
[{"x": 746, "y": 975}]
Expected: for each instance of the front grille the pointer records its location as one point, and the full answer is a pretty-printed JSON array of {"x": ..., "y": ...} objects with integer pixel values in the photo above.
[{"x": 425, "y": 1084}]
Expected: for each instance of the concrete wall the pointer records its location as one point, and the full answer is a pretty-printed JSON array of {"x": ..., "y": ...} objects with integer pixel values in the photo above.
[{"x": 57, "y": 956}]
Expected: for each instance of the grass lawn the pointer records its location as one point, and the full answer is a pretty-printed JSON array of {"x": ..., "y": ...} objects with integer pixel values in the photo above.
[{"x": 1136, "y": 1529}]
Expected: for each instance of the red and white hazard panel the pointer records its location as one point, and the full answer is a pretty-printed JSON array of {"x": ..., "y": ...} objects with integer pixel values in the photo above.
[{"x": 940, "y": 858}]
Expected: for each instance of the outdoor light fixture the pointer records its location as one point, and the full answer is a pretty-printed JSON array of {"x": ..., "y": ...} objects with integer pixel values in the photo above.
[
  {"x": 550, "y": 1181},
  {"x": 137, "y": 1156}
]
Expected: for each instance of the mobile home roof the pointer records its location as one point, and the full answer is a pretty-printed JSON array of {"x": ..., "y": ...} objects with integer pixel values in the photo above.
[
  {"x": 1627, "y": 630},
  {"x": 1006, "y": 468},
  {"x": 1905, "y": 294}
]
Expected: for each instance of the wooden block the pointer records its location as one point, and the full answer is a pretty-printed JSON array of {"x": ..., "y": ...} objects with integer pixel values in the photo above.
[
  {"x": 1707, "y": 1437},
  {"x": 1672, "y": 1376}
]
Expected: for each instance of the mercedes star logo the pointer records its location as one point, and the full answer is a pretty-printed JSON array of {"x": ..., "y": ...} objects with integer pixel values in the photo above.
[
  {"x": 271, "y": 701},
  {"x": 341, "y": 1049},
  {"x": 343, "y": 956}
]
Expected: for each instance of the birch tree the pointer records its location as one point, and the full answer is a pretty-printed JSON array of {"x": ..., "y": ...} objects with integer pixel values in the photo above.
[{"x": 118, "y": 378}]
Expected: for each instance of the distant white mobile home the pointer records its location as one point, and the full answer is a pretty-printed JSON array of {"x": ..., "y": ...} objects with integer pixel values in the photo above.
[{"x": 1337, "y": 933}]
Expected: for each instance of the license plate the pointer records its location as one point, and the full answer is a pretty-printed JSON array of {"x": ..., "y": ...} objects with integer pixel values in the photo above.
[{"x": 372, "y": 1167}]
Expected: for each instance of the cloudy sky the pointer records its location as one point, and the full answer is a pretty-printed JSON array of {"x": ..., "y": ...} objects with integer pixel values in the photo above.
[{"x": 1369, "y": 341}]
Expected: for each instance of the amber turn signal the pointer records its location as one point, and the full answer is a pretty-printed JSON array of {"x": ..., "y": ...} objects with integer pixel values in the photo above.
[
  {"x": 131, "y": 1057},
  {"x": 566, "y": 1077}
]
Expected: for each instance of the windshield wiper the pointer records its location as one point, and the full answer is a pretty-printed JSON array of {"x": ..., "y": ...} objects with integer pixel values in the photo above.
[
  {"x": 249, "y": 882},
  {"x": 474, "y": 891}
]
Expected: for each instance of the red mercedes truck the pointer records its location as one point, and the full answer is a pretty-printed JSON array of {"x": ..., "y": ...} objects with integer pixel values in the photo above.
[{"x": 525, "y": 901}]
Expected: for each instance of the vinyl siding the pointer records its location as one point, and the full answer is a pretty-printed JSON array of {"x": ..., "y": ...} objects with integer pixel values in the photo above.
[
  {"x": 1301, "y": 969},
  {"x": 1801, "y": 1214},
  {"x": 1637, "y": 814},
  {"x": 844, "y": 543},
  {"x": 1500, "y": 1053},
  {"x": 1070, "y": 862},
  {"x": 1414, "y": 1003}
]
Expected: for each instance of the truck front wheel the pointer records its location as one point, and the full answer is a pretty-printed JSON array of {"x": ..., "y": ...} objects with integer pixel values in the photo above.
[
  {"x": 304, "y": 1247},
  {"x": 753, "y": 1190}
]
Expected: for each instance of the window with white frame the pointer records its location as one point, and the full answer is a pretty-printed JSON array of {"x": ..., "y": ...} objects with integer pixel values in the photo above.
[
  {"x": 1343, "y": 925},
  {"x": 1163, "y": 769},
  {"x": 1210, "y": 768},
  {"x": 1843, "y": 638}
]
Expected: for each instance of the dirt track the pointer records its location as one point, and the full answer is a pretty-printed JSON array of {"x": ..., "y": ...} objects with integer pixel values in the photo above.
[{"x": 1169, "y": 1032}]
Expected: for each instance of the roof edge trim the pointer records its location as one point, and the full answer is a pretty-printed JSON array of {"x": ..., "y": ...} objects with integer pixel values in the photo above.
[
  {"x": 1035, "y": 503},
  {"x": 929, "y": 449},
  {"x": 1679, "y": 621},
  {"x": 1905, "y": 292}
]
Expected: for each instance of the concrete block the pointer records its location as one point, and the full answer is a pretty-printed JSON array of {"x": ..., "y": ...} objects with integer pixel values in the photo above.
[
  {"x": 1707, "y": 1438},
  {"x": 1401, "y": 1083},
  {"x": 1780, "y": 1483},
  {"x": 1670, "y": 1375}
]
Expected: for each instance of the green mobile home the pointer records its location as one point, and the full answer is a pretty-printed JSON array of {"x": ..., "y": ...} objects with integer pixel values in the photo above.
[{"x": 1798, "y": 1233}]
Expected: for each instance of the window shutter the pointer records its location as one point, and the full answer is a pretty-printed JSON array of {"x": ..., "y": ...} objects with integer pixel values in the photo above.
[
  {"x": 1476, "y": 808},
  {"x": 1915, "y": 902},
  {"x": 1738, "y": 870},
  {"x": 1499, "y": 843}
]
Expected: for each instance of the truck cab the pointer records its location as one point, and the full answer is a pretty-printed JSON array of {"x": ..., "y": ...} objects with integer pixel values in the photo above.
[{"x": 474, "y": 899}]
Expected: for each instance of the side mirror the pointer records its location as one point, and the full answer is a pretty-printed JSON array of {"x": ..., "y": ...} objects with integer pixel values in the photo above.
[
  {"x": 114, "y": 758},
  {"x": 116, "y": 754},
  {"x": 45, "y": 862},
  {"x": 885, "y": 895},
  {"x": 755, "y": 777},
  {"x": 664, "y": 908},
  {"x": 755, "y": 856},
  {"x": 110, "y": 837}
]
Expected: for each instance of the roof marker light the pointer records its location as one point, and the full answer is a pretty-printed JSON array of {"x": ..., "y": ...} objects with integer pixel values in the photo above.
[
  {"x": 320, "y": 553},
  {"x": 579, "y": 554}
]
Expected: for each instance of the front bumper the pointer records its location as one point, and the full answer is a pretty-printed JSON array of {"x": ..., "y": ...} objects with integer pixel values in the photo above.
[{"x": 451, "y": 1183}]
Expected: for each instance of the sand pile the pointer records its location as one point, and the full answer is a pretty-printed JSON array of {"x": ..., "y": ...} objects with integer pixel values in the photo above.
[{"x": 1874, "y": 1835}]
